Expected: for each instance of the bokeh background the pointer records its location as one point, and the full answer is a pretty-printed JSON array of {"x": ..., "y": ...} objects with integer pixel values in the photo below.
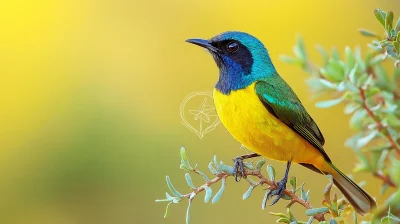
[{"x": 90, "y": 94}]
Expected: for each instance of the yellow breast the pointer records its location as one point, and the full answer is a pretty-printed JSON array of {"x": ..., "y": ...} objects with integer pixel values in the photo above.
[{"x": 250, "y": 123}]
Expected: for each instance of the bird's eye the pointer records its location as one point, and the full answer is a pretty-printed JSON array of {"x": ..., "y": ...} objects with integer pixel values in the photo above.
[{"x": 232, "y": 46}]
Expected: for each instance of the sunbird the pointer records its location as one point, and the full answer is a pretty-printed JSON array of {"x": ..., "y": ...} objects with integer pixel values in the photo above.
[{"x": 263, "y": 113}]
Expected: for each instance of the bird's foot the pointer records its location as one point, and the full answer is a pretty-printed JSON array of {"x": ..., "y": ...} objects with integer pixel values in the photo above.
[
  {"x": 279, "y": 190},
  {"x": 238, "y": 168}
]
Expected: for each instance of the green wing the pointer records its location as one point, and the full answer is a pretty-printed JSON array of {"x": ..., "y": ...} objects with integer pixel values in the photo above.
[{"x": 280, "y": 100}]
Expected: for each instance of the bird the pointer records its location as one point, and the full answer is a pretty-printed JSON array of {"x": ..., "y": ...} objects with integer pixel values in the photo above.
[{"x": 262, "y": 112}]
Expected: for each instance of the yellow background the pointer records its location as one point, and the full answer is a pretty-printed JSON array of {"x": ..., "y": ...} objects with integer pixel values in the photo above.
[{"x": 90, "y": 94}]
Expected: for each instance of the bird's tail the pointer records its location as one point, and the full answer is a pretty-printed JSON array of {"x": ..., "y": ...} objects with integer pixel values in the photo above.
[{"x": 361, "y": 201}]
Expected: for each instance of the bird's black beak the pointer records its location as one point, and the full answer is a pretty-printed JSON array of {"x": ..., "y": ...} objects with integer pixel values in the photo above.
[{"x": 203, "y": 43}]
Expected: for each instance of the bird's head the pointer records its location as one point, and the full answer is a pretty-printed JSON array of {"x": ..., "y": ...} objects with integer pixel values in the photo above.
[{"x": 241, "y": 59}]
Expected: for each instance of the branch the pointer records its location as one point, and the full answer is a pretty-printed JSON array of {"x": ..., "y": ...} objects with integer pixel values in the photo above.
[
  {"x": 385, "y": 178},
  {"x": 377, "y": 121},
  {"x": 272, "y": 185}
]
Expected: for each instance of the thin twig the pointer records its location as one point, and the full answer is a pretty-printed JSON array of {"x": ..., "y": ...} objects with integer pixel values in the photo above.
[
  {"x": 263, "y": 180},
  {"x": 385, "y": 178}
]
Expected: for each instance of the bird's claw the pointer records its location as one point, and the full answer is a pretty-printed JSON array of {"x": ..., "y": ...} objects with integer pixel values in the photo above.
[
  {"x": 238, "y": 169},
  {"x": 279, "y": 191}
]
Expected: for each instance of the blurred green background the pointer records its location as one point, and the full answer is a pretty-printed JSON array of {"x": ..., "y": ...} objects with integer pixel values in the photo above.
[{"x": 90, "y": 94}]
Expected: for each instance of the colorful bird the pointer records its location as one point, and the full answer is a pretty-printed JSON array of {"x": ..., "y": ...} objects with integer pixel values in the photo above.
[{"x": 263, "y": 113}]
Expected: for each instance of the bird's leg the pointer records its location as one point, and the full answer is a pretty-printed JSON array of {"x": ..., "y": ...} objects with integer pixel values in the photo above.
[
  {"x": 238, "y": 166},
  {"x": 282, "y": 184}
]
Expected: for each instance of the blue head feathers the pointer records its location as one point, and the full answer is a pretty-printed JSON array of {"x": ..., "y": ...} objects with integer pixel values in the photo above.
[{"x": 241, "y": 58}]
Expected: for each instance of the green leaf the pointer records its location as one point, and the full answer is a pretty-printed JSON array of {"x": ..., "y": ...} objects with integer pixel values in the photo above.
[
  {"x": 397, "y": 28},
  {"x": 208, "y": 195},
  {"x": 351, "y": 107},
  {"x": 293, "y": 183},
  {"x": 172, "y": 189},
  {"x": 361, "y": 142},
  {"x": 316, "y": 211},
  {"x": 281, "y": 215},
  {"x": 323, "y": 53},
  {"x": 335, "y": 54},
  {"x": 389, "y": 21},
  {"x": 271, "y": 172},
  {"x": 202, "y": 175},
  {"x": 283, "y": 220},
  {"x": 183, "y": 154},
  {"x": 167, "y": 210},
  {"x": 291, "y": 216},
  {"x": 327, "y": 191},
  {"x": 189, "y": 180},
  {"x": 380, "y": 17},
  {"x": 352, "y": 74},
  {"x": 226, "y": 168},
  {"x": 218, "y": 195},
  {"x": 396, "y": 46},
  {"x": 367, "y": 33},
  {"x": 288, "y": 59},
  {"x": 259, "y": 164},
  {"x": 384, "y": 188},
  {"x": 212, "y": 170},
  {"x": 265, "y": 199},
  {"x": 327, "y": 83},
  {"x": 299, "y": 49},
  {"x": 304, "y": 194},
  {"x": 329, "y": 103},
  {"x": 377, "y": 59},
  {"x": 310, "y": 220},
  {"x": 332, "y": 221},
  {"x": 248, "y": 165},
  {"x": 216, "y": 164},
  {"x": 247, "y": 194}
]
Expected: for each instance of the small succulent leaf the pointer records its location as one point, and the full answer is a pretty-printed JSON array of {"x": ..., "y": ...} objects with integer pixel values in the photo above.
[
  {"x": 260, "y": 163},
  {"x": 265, "y": 199},
  {"x": 184, "y": 167},
  {"x": 367, "y": 33},
  {"x": 183, "y": 154},
  {"x": 380, "y": 16},
  {"x": 397, "y": 27},
  {"x": 189, "y": 180},
  {"x": 172, "y": 189},
  {"x": 247, "y": 194},
  {"x": 216, "y": 164},
  {"x": 208, "y": 195},
  {"x": 328, "y": 84},
  {"x": 316, "y": 211},
  {"x": 389, "y": 21},
  {"x": 212, "y": 169},
  {"x": 271, "y": 172},
  {"x": 202, "y": 175},
  {"x": 248, "y": 165},
  {"x": 218, "y": 195},
  {"x": 293, "y": 183},
  {"x": 329, "y": 103},
  {"x": 226, "y": 168},
  {"x": 332, "y": 221}
]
